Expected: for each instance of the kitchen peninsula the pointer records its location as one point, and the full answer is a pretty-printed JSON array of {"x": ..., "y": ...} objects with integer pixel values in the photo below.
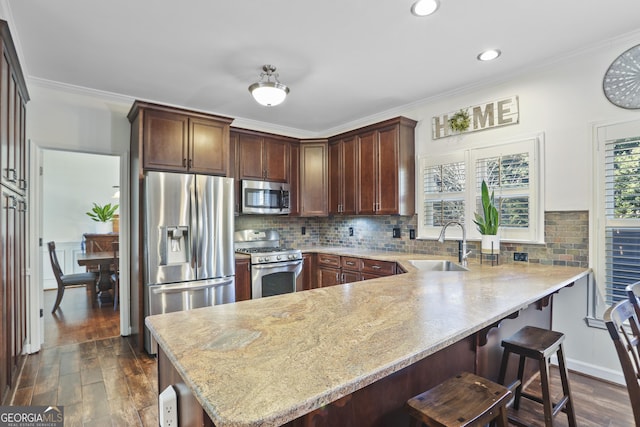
[{"x": 351, "y": 353}]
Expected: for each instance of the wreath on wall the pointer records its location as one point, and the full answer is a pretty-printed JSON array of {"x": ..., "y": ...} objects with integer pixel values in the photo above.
[{"x": 460, "y": 121}]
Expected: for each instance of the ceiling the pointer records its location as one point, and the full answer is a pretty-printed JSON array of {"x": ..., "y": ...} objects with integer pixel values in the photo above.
[{"x": 344, "y": 60}]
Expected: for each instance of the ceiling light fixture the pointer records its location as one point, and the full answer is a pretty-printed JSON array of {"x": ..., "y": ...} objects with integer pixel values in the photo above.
[
  {"x": 489, "y": 55},
  {"x": 424, "y": 7},
  {"x": 266, "y": 92}
]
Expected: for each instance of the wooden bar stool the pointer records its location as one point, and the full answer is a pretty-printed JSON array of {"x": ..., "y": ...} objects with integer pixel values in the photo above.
[
  {"x": 464, "y": 400},
  {"x": 539, "y": 344}
]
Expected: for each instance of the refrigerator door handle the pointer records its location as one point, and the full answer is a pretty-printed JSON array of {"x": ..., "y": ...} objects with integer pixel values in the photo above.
[{"x": 180, "y": 287}]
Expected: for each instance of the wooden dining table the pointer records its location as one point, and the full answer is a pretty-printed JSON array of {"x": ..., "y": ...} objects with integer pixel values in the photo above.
[{"x": 103, "y": 261}]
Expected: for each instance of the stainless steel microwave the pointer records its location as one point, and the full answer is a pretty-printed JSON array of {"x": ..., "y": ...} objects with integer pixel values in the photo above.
[{"x": 262, "y": 197}]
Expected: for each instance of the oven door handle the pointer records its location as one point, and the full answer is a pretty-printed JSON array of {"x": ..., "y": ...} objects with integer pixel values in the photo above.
[
  {"x": 276, "y": 265},
  {"x": 172, "y": 289}
]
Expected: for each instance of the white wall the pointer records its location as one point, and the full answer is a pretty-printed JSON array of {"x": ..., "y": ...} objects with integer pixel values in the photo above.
[{"x": 71, "y": 183}]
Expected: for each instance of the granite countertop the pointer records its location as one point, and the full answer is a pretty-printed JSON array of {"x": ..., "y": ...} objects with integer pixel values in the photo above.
[{"x": 268, "y": 361}]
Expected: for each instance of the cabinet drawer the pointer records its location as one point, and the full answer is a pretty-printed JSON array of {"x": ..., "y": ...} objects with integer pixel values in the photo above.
[
  {"x": 380, "y": 268},
  {"x": 351, "y": 263},
  {"x": 327, "y": 259}
]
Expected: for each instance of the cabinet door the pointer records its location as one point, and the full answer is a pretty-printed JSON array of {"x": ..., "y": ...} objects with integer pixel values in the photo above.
[
  {"x": 276, "y": 160},
  {"x": 165, "y": 141},
  {"x": 309, "y": 272},
  {"x": 387, "y": 171},
  {"x": 350, "y": 276},
  {"x": 250, "y": 157},
  {"x": 209, "y": 147},
  {"x": 243, "y": 280},
  {"x": 328, "y": 276},
  {"x": 335, "y": 177},
  {"x": 313, "y": 179},
  {"x": 294, "y": 180},
  {"x": 367, "y": 173},
  {"x": 5, "y": 153},
  {"x": 349, "y": 176}
]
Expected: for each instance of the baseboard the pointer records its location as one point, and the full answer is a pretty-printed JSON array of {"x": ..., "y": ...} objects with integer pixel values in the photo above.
[{"x": 594, "y": 371}]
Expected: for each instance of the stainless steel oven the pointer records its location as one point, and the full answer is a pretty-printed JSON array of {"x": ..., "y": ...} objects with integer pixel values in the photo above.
[{"x": 274, "y": 269}]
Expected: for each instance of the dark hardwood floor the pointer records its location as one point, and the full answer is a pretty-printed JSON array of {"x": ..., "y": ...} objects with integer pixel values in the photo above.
[
  {"x": 86, "y": 366},
  {"x": 101, "y": 380}
]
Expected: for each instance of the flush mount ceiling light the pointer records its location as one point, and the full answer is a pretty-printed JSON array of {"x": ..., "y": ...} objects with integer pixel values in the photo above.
[
  {"x": 489, "y": 55},
  {"x": 424, "y": 7},
  {"x": 269, "y": 92}
]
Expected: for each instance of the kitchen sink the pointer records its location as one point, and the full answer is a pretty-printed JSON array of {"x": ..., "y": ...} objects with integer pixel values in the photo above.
[{"x": 436, "y": 265}]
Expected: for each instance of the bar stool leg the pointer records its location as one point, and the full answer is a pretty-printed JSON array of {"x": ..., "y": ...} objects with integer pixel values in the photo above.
[
  {"x": 518, "y": 393},
  {"x": 564, "y": 378},
  {"x": 546, "y": 393}
]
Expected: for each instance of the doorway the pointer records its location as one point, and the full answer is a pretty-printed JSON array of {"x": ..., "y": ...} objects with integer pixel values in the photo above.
[{"x": 64, "y": 190}]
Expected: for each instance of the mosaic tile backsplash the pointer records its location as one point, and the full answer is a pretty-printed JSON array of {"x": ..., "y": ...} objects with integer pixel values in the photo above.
[{"x": 566, "y": 236}]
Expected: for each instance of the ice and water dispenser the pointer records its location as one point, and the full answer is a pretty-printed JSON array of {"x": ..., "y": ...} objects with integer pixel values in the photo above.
[{"x": 174, "y": 245}]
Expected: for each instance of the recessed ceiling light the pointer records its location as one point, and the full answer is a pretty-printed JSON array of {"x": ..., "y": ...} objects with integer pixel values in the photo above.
[
  {"x": 424, "y": 7},
  {"x": 489, "y": 55}
]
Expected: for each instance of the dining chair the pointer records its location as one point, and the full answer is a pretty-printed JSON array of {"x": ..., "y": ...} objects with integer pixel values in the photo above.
[
  {"x": 88, "y": 279},
  {"x": 633, "y": 293},
  {"x": 626, "y": 342},
  {"x": 115, "y": 273}
]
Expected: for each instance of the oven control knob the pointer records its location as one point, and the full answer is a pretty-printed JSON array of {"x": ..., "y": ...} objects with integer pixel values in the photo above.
[
  {"x": 292, "y": 256},
  {"x": 278, "y": 257},
  {"x": 262, "y": 259}
]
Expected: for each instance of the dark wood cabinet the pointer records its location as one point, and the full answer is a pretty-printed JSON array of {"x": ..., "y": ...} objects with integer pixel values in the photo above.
[
  {"x": 262, "y": 156},
  {"x": 343, "y": 169},
  {"x": 177, "y": 140},
  {"x": 243, "y": 279},
  {"x": 372, "y": 170},
  {"x": 308, "y": 275},
  {"x": 336, "y": 269},
  {"x": 294, "y": 179},
  {"x": 13, "y": 219},
  {"x": 313, "y": 188}
]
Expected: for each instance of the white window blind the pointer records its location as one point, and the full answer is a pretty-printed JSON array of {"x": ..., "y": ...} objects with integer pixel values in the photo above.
[
  {"x": 444, "y": 186},
  {"x": 450, "y": 189},
  {"x": 622, "y": 216}
]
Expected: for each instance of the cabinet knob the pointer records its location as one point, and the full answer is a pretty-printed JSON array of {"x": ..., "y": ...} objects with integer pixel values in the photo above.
[{"x": 184, "y": 162}]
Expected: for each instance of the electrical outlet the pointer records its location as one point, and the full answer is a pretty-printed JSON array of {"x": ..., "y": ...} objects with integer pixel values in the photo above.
[
  {"x": 521, "y": 256},
  {"x": 304, "y": 230},
  {"x": 350, "y": 231},
  {"x": 396, "y": 233},
  {"x": 168, "y": 403},
  {"x": 412, "y": 234}
]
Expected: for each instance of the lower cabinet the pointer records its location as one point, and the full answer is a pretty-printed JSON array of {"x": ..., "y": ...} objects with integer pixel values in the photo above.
[
  {"x": 307, "y": 279},
  {"x": 336, "y": 269},
  {"x": 243, "y": 279}
]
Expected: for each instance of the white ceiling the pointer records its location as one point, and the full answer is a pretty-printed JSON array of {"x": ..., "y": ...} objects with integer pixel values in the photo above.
[{"x": 343, "y": 59}]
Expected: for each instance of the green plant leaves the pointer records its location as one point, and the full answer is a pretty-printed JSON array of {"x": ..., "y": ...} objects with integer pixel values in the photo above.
[
  {"x": 102, "y": 213},
  {"x": 489, "y": 221}
]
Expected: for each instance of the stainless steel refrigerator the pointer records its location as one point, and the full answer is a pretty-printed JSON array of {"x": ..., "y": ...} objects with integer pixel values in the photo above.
[{"x": 188, "y": 243}]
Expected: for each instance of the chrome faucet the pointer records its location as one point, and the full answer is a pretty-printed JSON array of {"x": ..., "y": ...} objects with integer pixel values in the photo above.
[{"x": 463, "y": 254}]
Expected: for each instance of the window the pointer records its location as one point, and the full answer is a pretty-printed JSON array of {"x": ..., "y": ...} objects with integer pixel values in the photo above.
[
  {"x": 617, "y": 234},
  {"x": 450, "y": 190}
]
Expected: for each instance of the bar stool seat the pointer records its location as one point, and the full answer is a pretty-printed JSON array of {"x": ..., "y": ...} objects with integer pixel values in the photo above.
[
  {"x": 464, "y": 400},
  {"x": 539, "y": 344}
]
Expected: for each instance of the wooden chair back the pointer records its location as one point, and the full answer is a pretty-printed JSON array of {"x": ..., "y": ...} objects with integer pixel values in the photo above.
[
  {"x": 633, "y": 294},
  {"x": 55, "y": 265},
  {"x": 627, "y": 346}
]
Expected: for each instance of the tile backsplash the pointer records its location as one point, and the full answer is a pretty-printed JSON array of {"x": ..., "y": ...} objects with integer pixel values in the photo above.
[{"x": 566, "y": 236}]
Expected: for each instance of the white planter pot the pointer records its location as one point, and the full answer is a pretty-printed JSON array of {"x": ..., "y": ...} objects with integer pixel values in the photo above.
[
  {"x": 490, "y": 244},
  {"x": 103, "y": 227}
]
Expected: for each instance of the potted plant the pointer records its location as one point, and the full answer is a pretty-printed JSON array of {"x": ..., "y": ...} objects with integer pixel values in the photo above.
[
  {"x": 102, "y": 215},
  {"x": 488, "y": 222}
]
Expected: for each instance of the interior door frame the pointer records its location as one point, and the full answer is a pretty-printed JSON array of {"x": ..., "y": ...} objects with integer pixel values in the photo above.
[{"x": 34, "y": 266}]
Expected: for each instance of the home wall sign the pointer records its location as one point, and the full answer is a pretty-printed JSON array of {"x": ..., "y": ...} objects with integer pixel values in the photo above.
[{"x": 489, "y": 115}]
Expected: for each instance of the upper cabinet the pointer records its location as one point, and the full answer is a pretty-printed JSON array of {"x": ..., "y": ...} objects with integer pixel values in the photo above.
[
  {"x": 262, "y": 156},
  {"x": 313, "y": 188},
  {"x": 13, "y": 100},
  {"x": 343, "y": 174},
  {"x": 385, "y": 169},
  {"x": 178, "y": 140}
]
